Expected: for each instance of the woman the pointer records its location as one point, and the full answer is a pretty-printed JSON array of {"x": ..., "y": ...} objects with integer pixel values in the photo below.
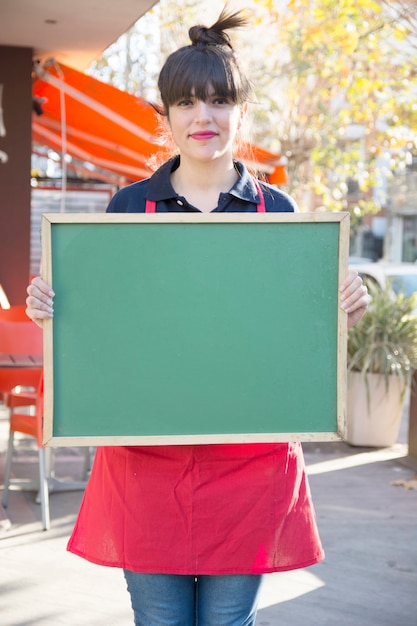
[{"x": 196, "y": 527}]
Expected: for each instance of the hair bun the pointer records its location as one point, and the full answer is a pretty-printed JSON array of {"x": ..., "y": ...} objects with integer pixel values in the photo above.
[
  {"x": 201, "y": 35},
  {"x": 216, "y": 35}
]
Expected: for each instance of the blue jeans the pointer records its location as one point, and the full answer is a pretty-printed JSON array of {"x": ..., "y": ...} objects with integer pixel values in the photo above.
[{"x": 176, "y": 600}]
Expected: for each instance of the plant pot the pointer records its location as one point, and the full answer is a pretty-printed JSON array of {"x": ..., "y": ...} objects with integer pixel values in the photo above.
[{"x": 374, "y": 411}]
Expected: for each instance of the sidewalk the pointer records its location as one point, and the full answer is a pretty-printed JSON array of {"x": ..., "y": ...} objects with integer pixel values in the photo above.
[{"x": 368, "y": 527}]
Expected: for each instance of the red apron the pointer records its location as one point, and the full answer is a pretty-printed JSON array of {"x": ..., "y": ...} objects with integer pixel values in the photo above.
[{"x": 202, "y": 509}]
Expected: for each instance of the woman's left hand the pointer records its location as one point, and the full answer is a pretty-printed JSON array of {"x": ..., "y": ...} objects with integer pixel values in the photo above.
[{"x": 354, "y": 297}]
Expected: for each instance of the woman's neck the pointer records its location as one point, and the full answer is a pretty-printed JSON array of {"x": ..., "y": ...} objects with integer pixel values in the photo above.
[{"x": 201, "y": 183}]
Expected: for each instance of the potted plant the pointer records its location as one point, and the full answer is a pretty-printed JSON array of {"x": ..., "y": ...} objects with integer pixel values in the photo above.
[{"x": 382, "y": 354}]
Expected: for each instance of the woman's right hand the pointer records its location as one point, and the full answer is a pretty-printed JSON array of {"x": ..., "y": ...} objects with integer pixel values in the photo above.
[{"x": 39, "y": 302}]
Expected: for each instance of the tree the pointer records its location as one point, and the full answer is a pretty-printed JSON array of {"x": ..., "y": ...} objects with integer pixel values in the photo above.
[
  {"x": 335, "y": 81},
  {"x": 405, "y": 12},
  {"x": 131, "y": 63},
  {"x": 341, "y": 87}
]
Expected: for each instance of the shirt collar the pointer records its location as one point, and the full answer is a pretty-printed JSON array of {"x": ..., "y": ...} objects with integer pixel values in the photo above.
[
  {"x": 160, "y": 187},
  {"x": 244, "y": 188}
]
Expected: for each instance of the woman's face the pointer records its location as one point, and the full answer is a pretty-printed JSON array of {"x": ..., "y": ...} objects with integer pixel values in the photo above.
[{"x": 205, "y": 130}]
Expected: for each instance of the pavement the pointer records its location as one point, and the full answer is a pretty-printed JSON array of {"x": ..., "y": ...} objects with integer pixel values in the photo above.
[{"x": 366, "y": 506}]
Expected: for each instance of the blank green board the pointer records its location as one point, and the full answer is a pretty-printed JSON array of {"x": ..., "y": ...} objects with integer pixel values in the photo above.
[{"x": 193, "y": 331}]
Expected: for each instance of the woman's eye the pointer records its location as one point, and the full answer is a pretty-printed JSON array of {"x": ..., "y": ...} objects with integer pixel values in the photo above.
[
  {"x": 184, "y": 103},
  {"x": 221, "y": 100}
]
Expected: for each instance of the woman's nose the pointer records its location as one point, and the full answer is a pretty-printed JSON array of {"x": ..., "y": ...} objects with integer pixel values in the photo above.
[{"x": 203, "y": 111}]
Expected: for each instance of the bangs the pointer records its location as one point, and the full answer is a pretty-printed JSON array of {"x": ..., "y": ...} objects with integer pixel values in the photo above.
[{"x": 196, "y": 72}]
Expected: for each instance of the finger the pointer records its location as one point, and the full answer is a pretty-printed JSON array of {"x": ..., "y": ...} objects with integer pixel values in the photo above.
[
  {"x": 358, "y": 310},
  {"x": 39, "y": 298},
  {"x": 38, "y": 301},
  {"x": 357, "y": 299},
  {"x": 350, "y": 278},
  {"x": 39, "y": 304},
  {"x": 350, "y": 285},
  {"x": 43, "y": 287}
]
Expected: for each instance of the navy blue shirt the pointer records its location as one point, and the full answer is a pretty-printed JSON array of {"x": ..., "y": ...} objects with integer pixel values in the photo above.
[{"x": 242, "y": 197}]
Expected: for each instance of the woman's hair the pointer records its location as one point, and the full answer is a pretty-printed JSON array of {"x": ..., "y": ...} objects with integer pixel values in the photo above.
[{"x": 209, "y": 61}]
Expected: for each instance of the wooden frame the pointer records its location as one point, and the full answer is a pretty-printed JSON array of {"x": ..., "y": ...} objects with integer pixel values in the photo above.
[{"x": 195, "y": 328}]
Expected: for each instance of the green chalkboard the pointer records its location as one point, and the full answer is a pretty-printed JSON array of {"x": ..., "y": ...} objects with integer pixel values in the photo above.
[{"x": 173, "y": 329}]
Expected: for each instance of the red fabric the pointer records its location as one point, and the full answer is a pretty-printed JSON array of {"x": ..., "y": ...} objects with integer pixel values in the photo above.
[{"x": 207, "y": 509}]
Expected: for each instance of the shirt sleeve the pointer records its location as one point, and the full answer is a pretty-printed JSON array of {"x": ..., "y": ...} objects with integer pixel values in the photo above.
[
  {"x": 277, "y": 201},
  {"x": 130, "y": 199}
]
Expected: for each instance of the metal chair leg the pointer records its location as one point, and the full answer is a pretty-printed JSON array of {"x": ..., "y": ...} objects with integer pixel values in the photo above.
[
  {"x": 44, "y": 491},
  {"x": 43, "y": 482},
  {"x": 8, "y": 469}
]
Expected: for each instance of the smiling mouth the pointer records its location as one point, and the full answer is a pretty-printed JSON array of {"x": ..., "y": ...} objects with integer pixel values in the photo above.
[{"x": 201, "y": 136}]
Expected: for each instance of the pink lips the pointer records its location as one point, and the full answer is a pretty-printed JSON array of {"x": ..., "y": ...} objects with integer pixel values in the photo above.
[{"x": 203, "y": 135}]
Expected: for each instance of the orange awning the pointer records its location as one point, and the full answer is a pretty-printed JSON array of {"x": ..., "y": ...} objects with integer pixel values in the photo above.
[{"x": 96, "y": 123}]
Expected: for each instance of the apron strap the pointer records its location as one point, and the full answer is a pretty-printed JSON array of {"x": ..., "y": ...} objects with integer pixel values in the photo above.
[
  {"x": 150, "y": 206},
  {"x": 261, "y": 206}
]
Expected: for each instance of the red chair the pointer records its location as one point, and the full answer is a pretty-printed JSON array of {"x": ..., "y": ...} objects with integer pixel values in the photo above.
[
  {"x": 32, "y": 425},
  {"x": 28, "y": 424},
  {"x": 20, "y": 339},
  {"x": 25, "y": 338}
]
